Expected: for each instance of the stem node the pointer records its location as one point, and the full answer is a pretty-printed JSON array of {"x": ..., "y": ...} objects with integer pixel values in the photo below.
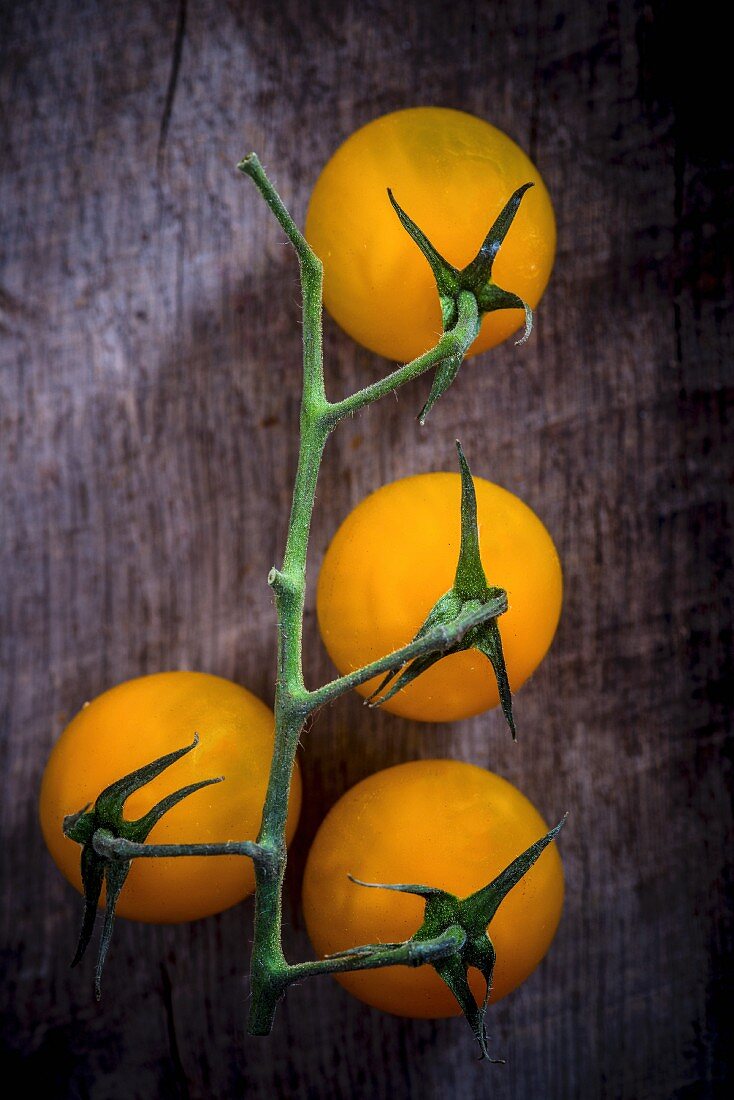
[{"x": 280, "y": 583}]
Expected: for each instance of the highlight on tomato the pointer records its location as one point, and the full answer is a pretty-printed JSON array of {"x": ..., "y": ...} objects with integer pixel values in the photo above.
[
  {"x": 124, "y": 729},
  {"x": 395, "y": 555},
  {"x": 441, "y": 823},
  {"x": 452, "y": 173}
]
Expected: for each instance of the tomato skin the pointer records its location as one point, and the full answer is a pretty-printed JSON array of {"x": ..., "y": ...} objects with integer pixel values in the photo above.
[
  {"x": 135, "y": 723},
  {"x": 439, "y": 823},
  {"x": 395, "y": 555},
  {"x": 452, "y": 173}
]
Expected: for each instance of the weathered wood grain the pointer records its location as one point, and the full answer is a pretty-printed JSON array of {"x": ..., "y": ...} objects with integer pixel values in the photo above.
[{"x": 148, "y": 375}]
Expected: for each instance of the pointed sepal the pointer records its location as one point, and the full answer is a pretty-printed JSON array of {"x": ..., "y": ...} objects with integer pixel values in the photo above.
[
  {"x": 470, "y": 582},
  {"x": 477, "y": 910},
  {"x": 489, "y": 642},
  {"x": 477, "y": 275},
  {"x": 493, "y": 297},
  {"x": 92, "y": 879},
  {"x": 454, "y": 972},
  {"x": 479, "y": 272},
  {"x": 444, "y": 375},
  {"x": 115, "y": 873},
  {"x": 445, "y": 274},
  {"x": 424, "y": 892}
]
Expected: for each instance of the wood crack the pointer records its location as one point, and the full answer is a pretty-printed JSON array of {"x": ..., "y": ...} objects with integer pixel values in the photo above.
[
  {"x": 178, "y": 41},
  {"x": 173, "y": 1045}
]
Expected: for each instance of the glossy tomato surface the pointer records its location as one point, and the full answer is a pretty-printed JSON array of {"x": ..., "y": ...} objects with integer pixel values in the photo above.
[
  {"x": 133, "y": 724},
  {"x": 395, "y": 555},
  {"x": 438, "y": 823},
  {"x": 452, "y": 173}
]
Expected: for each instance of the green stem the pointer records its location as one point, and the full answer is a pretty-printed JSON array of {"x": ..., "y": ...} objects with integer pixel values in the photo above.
[
  {"x": 374, "y": 956},
  {"x": 269, "y": 971},
  {"x": 289, "y": 585},
  {"x": 117, "y": 847}
]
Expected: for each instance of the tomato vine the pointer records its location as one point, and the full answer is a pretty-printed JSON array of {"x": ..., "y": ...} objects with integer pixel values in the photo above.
[{"x": 453, "y": 936}]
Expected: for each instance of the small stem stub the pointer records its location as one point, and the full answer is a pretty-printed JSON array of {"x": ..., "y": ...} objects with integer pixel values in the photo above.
[{"x": 470, "y": 591}]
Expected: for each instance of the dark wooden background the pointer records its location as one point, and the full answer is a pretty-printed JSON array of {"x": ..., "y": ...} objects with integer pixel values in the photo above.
[{"x": 149, "y": 372}]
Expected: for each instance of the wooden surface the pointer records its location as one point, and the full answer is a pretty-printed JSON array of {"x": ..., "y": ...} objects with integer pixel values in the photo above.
[{"x": 149, "y": 374}]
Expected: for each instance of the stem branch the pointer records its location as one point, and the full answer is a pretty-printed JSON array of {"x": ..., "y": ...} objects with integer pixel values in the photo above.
[
  {"x": 117, "y": 847},
  {"x": 374, "y": 956}
]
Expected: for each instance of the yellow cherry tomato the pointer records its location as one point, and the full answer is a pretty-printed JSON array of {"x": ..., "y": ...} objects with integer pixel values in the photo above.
[
  {"x": 134, "y": 724},
  {"x": 452, "y": 173},
  {"x": 437, "y": 823},
  {"x": 395, "y": 555}
]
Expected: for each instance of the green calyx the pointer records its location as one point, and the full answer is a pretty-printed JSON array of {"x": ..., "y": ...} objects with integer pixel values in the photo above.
[
  {"x": 470, "y": 591},
  {"x": 476, "y": 278},
  {"x": 466, "y": 920},
  {"x": 97, "y": 830}
]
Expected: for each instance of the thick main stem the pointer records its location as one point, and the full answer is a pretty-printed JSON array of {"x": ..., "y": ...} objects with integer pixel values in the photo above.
[
  {"x": 268, "y": 971},
  {"x": 270, "y": 974}
]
